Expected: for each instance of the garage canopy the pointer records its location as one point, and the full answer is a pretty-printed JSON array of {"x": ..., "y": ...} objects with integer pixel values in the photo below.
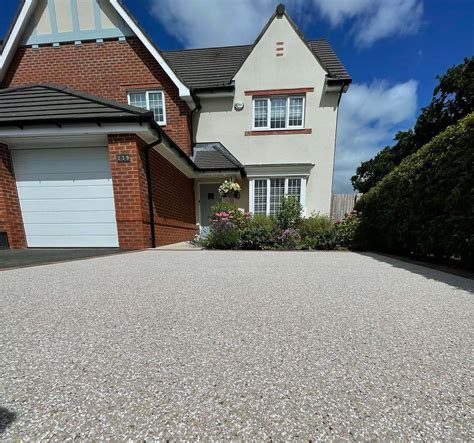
[{"x": 52, "y": 104}]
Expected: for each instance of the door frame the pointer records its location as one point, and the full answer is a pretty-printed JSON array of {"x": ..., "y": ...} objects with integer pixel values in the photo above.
[{"x": 199, "y": 196}]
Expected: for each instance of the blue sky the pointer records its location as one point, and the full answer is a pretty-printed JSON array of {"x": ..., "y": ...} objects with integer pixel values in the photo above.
[{"x": 392, "y": 48}]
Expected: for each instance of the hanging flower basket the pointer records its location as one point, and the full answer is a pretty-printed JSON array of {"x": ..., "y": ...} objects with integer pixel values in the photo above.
[{"x": 229, "y": 190}]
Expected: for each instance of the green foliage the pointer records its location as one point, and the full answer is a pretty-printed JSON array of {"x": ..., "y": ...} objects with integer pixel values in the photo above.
[
  {"x": 289, "y": 239},
  {"x": 425, "y": 206},
  {"x": 453, "y": 99},
  {"x": 259, "y": 233},
  {"x": 289, "y": 214},
  {"x": 223, "y": 237},
  {"x": 227, "y": 222},
  {"x": 314, "y": 225},
  {"x": 347, "y": 229}
]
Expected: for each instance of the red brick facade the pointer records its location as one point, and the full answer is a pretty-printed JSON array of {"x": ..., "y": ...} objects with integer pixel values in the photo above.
[
  {"x": 173, "y": 196},
  {"x": 108, "y": 70},
  {"x": 11, "y": 221}
]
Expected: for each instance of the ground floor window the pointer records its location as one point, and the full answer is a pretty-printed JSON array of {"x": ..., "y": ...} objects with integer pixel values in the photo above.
[{"x": 266, "y": 193}]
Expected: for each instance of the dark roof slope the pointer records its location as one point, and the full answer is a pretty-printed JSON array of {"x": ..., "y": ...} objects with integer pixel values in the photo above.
[
  {"x": 214, "y": 156},
  {"x": 215, "y": 67},
  {"x": 41, "y": 103}
]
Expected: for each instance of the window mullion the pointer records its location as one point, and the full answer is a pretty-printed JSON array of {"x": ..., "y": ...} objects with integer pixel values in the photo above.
[
  {"x": 268, "y": 196},
  {"x": 287, "y": 119},
  {"x": 286, "y": 188},
  {"x": 269, "y": 113}
]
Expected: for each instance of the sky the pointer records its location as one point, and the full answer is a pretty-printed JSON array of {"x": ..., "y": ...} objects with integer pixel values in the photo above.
[{"x": 393, "y": 50}]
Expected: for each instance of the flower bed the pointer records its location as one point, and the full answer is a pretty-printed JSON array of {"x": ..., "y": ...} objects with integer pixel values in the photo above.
[{"x": 232, "y": 228}]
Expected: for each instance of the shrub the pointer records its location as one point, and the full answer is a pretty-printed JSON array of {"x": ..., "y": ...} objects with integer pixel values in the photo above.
[
  {"x": 259, "y": 233},
  {"x": 346, "y": 230},
  {"x": 315, "y": 225},
  {"x": 289, "y": 214},
  {"x": 226, "y": 225},
  {"x": 425, "y": 206},
  {"x": 289, "y": 239}
]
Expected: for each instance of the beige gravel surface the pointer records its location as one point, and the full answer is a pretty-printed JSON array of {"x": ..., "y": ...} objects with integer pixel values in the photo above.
[{"x": 235, "y": 345}]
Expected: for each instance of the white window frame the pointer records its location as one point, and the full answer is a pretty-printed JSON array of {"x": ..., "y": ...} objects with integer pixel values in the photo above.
[
  {"x": 286, "y": 178},
  {"x": 147, "y": 99},
  {"x": 269, "y": 112}
]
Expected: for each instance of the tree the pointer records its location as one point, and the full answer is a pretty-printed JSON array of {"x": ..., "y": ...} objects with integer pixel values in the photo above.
[{"x": 453, "y": 98}]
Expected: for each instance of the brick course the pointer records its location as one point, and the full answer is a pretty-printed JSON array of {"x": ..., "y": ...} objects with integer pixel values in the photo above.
[
  {"x": 173, "y": 196},
  {"x": 11, "y": 220},
  {"x": 108, "y": 70}
]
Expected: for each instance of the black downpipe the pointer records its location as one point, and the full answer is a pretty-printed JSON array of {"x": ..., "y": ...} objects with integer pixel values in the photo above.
[
  {"x": 150, "y": 189},
  {"x": 196, "y": 108}
]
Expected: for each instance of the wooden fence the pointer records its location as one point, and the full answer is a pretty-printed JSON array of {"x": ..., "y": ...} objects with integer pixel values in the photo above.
[{"x": 342, "y": 204}]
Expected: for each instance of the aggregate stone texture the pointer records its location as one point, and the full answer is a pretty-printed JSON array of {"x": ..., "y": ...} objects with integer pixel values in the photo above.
[{"x": 215, "y": 345}]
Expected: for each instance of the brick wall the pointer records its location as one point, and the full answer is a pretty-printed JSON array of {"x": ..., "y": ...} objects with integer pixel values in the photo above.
[
  {"x": 10, "y": 213},
  {"x": 173, "y": 196},
  {"x": 108, "y": 70},
  {"x": 173, "y": 199}
]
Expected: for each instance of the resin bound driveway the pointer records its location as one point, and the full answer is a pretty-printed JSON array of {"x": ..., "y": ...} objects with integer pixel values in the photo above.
[{"x": 243, "y": 345}]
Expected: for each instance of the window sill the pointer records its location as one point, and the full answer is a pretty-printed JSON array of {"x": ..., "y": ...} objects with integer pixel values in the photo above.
[{"x": 279, "y": 132}]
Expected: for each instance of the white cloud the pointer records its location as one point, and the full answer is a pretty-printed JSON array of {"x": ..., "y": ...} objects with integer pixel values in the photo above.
[
  {"x": 200, "y": 23},
  {"x": 370, "y": 115},
  {"x": 373, "y": 20}
]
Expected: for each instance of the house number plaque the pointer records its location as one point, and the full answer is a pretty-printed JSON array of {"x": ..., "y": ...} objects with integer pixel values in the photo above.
[{"x": 123, "y": 158}]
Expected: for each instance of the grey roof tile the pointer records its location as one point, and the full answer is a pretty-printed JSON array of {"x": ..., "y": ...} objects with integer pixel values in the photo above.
[
  {"x": 214, "y": 156},
  {"x": 43, "y": 102},
  {"x": 215, "y": 67}
]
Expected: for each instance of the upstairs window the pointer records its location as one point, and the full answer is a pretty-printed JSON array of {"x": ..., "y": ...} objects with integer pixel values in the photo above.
[
  {"x": 151, "y": 100},
  {"x": 278, "y": 112}
]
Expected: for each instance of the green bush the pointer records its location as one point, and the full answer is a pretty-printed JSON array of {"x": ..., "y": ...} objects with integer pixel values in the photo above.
[
  {"x": 223, "y": 237},
  {"x": 346, "y": 230},
  {"x": 289, "y": 215},
  {"x": 314, "y": 225},
  {"x": 425, "y": 206},
  {"x": 259, "y": 233}
]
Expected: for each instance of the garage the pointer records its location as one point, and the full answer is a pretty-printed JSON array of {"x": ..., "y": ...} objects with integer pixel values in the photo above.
[{"x": 66, "y": 197}]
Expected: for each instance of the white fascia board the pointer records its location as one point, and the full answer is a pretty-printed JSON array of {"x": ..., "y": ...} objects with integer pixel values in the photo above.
[
  {"x": 182, "y": 88},
  {"x": 15, "y": 35},
  {"x": 7, "y": 133}
]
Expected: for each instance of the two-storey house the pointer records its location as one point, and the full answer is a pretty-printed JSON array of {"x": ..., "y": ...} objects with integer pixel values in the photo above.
[{"x": 107, "y": 141}]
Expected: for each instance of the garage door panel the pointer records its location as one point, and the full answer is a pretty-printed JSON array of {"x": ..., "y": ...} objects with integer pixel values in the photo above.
[
  {"x": 67, "y": 217},
  {"x": 64, "y": 192},
  {"x": 93, "y": 241},
  {"x": 53, "y": 161},
  {"x": 59, "y": 205},
  {"x": 73, "y": 229},
  {"x": 66, "y": 197},
  {"x": 63, "y": 179}
]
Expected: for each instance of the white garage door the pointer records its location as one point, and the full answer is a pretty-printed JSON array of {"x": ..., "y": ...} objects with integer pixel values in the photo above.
[{"x": 66, "y": 197}]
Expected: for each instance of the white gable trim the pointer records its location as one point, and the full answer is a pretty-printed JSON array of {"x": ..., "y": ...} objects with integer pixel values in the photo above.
[
  {"x": 28, "y": 8},
  {"x": 15, "y": 35},
  {"x": 183, "y": 89}
]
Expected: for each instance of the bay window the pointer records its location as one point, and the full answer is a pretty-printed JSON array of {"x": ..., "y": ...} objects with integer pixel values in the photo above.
[
  {"x": 278, "y": 112},
  {"x": 266, "y": 193},
  {"x": 151, "y": 100}
]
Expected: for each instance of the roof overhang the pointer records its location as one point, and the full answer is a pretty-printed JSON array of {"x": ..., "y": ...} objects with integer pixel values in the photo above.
[
  {"x": 34, "y": 134},
  {"x": 337, "y": 85}
]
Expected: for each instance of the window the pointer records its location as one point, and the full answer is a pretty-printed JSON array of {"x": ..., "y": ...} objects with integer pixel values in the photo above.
[
  {"x": 278, "y": 112},
  {"x": 151, "y": 100},
  {"x": 266, "y": 194}
]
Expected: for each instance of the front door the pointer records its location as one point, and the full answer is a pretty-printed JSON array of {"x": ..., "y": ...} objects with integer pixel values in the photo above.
[{"x": 209, "y": 196}]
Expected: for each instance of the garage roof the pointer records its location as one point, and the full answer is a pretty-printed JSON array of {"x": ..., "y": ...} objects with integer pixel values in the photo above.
[{"x": 45, "y": 103}]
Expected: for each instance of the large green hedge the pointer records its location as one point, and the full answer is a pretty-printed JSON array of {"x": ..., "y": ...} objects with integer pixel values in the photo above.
[{"x": 425, "y": 206}]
